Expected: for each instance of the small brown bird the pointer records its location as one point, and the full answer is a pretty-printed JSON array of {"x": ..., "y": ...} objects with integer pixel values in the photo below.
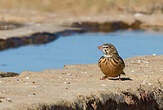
[{"x": 111, "y": 64}]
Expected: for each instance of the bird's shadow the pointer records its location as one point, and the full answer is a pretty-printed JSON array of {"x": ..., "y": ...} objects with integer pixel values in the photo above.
[{"x": 121, "y": 79}]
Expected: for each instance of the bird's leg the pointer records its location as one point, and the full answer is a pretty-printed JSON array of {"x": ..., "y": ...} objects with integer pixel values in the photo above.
[
  {"x": 119, "y": 77},
  {"x": 104, "y": 77}
]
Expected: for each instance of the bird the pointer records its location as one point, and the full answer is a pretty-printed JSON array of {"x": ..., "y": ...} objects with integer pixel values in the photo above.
[{"x": 111, "y": 64}]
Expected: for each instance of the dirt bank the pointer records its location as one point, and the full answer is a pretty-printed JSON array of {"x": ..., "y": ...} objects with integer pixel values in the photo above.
[
  {"x": 82, "y": 7},
  {"x": 78, "y": 87},
  {"x": 31, "y": 32}
]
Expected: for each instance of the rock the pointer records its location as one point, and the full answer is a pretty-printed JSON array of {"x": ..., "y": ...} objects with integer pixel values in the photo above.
[{"x": 8, "y": 74}]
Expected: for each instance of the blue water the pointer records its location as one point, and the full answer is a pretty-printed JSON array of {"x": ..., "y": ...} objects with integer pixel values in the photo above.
[{"x": 79, "y": 49}]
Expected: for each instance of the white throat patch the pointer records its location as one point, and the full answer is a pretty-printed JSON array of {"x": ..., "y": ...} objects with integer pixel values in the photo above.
[{"x": 108, "y": 56}]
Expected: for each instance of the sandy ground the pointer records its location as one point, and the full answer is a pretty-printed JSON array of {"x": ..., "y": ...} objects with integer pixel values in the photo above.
[
  {"x": 34, "y": 89},
  {"x": 56, "y": 23}
]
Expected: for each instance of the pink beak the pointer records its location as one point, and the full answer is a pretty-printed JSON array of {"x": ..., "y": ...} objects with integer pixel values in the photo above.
[{"x": 100, "y": 47}]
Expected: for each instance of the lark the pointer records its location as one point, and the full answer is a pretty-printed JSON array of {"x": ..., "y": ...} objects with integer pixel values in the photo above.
[{"x": 111, "y": 64}]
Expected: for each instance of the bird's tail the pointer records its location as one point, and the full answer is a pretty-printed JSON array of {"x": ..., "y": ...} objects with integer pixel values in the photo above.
[{"x": 123, "y": 73}]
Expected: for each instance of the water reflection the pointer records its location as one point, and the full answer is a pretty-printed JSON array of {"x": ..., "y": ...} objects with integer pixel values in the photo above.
[{"x": 79, "y": 49}]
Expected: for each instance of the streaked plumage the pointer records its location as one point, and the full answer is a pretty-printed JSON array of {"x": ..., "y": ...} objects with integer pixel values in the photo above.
[{"x": 111, "y": 64}]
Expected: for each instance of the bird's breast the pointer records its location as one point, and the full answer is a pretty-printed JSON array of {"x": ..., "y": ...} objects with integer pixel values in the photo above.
[{"x": 109, "y": 66}]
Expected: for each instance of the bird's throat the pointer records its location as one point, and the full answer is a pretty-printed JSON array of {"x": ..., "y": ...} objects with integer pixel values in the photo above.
[{"x": 108, "y": 56}]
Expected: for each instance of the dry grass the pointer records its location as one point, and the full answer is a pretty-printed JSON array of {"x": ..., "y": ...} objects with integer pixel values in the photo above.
[{"x": 84, "y": 6}]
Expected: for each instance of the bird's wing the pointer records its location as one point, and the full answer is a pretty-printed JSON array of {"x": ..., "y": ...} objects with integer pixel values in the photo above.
[{"x": 120, "y": 61}]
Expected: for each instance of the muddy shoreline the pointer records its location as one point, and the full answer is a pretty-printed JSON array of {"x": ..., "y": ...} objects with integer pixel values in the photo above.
[
  {"x": 46, "y": 37},
  {"x": 43, "y": 36}
]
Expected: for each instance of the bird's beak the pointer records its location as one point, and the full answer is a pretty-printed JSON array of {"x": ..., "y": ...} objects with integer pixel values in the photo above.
[{"x": 100, "y": 47}]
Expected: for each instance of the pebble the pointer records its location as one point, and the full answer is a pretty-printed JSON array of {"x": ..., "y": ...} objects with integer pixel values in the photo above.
[
  {"x": 144, "y": 82},
  {"x": 104, "y": 85},
  {"x": 8, "y": 100},
  {"x": 142, "y": 61},
  {"x": 2, "y": 99},
  {"x": 68, "y": 74},
  {"x": 145, "y": 61},
  {"x": 33, "y": 82},
  {"x": 34, "y": 86},
  {"x": 67, "y": 83},
  {"x": 132, "y": 71},
  {"x": 67, "y": 79},
  {"x": 27, "y": 78},
  {"x": 60, "y": 77},
  {"x": 149, "y": 84},
  {"x": 66, "y": 88},
  {"x": 64, "y": 73},
  {"x": 138, "y": 14},
  {"x": 139, "y": 61},
  {"x": 84, "y": 72}
]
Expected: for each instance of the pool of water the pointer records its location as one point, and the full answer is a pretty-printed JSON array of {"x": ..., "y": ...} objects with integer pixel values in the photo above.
[{"x": 79, "y": 49}]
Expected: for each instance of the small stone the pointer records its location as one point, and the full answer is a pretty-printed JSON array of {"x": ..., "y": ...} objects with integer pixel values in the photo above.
[
  {"x": 132, "y": 71},
  {"x": 34, "y": 86},
  {"x": 64, "y": 73},
  {"x": 103, "y": 85},
  {"x": 8, "y": 100},
  {"x": 27, "y": 78},
  {"x": 60, "y": 77},
  {"x": 149, "y": 84},
  {"x": 145, "y": 61},
  {"x": 34, "y": 82},
  {"x": 84, "y": 72},
  {"x": 66, "y": 88},
  {"x": 67, "y": 83},
  {"x": 144, "y": 82},
  {"x": 138, "y": 14},
  {"x": 68, "y": 74},
  {"x": 67, "y": 79},
  {"x": 34, "y": 93},
  {"x": 139, "y": 61},
  {"x": 2, "y": 97}
]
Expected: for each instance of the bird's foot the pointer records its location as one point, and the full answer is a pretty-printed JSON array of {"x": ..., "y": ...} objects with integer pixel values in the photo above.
[
  {"x": 119, "y": 78},
  {"x": 104, "y": 77}
]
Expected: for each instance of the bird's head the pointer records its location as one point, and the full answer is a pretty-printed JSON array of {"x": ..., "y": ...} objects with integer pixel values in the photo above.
[{"x": 108, "y": 49}]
